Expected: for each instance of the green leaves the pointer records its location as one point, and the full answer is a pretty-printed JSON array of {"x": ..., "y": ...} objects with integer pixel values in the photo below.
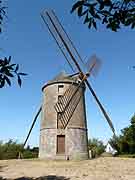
[
  {"x": 94, "y": 24},
  {"x": 19, "y": 80},
  {"x": 112, "y": 14},
  {"x": 92, "y": 10},
  {"x": 96, "y": 146},
  {"x": 8, "y": 71},
  {"x": 133, "y": 25},
  {"x": 11, "y": 150},
  {"x": 125, "y": 142},
  {"x": 7, "y": 80},
  {"x": 77, "y": 5}
]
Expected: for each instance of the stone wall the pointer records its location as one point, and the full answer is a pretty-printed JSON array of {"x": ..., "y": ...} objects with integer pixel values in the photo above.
[
  {"x": 75, "y": 133},
  {"x": 76, "y": 143}
]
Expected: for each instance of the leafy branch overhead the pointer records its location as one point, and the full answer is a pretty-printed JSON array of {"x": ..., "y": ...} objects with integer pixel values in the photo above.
[
  {"x": 8, "y": 71},
  {"x": 114, "y": 14}
]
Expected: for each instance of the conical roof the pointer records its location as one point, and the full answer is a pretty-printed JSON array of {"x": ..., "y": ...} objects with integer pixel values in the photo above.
[{"x": 62, "y": 77}]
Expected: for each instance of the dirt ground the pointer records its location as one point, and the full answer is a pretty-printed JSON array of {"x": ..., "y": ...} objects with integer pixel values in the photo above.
[{"x": 107, "y": 168}]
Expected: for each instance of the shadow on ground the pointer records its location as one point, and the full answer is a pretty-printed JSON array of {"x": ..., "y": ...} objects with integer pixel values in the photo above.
[
  {"x": 49, "y": 177},
  {"x": 1, "y": 167}
]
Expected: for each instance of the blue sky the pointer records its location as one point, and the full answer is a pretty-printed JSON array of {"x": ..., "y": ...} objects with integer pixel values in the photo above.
[{"x": 27, "y": 40}]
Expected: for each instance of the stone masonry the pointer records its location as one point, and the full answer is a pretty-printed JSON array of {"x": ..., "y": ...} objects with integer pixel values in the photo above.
[{"x": 75, "y": 133}]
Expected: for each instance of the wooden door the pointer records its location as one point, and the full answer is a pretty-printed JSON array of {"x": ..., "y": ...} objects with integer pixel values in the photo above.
[{"x": 60, "y": 144}]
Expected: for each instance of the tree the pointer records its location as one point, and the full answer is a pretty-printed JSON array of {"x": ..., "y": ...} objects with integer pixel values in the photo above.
[
  {"x": 7, "y": 69},
  {"x": 96, "y": 146},
  {"x": 129, "y": 135},
  {"x": 125, "y": 143},
  {"x": 115, "y": 142},
  {"x": 114, "y": 14},
  {"x": 11, "y": 150}
]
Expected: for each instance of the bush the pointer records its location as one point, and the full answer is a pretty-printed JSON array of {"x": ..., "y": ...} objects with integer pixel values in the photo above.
[
  {"x": 11, "y": 150},
  {"x": 125, "y": 142},
  {"x": 96, "y": 146}
]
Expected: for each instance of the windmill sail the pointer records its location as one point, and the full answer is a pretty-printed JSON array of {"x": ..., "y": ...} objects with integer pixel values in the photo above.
[
  {"x": 69, "y": 110},
  {"x": 61, "y": 37},
  {"x": 101, "y": 107},
  {"x": 33, "y": 123},
  {"x": 93, "y": 65},
  {"x": 72, "y": 56},
  {"x": 57, "y": 41},
  {"x": 67, "y": 103}
]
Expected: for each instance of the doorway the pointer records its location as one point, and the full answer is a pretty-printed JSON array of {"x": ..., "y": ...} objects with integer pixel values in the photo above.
[{"x": 61, "y": 144}]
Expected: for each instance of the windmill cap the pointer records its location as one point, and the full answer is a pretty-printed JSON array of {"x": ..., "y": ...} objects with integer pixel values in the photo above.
[{"x": 62, "y": 77}]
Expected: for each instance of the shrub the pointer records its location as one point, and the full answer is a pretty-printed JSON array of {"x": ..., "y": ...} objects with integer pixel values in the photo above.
[
  {"x": 96, "y": 146},
  {"x": 11, "y": 150}
]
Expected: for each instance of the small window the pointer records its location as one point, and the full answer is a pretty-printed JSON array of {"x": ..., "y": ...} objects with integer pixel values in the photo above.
[{"x": 60, "y": 89}]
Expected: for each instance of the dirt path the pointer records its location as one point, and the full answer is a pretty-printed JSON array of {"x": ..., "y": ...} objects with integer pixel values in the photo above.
[{"x": 98, "y": 169}]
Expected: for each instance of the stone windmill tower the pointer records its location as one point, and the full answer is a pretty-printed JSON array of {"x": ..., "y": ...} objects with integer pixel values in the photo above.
[{"x": 63, "y": 130}]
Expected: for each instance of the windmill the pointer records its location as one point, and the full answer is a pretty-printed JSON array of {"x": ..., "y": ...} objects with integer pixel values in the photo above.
[
  {"x": 52, "y": 139},
  {"x": 71, "y": 54}
]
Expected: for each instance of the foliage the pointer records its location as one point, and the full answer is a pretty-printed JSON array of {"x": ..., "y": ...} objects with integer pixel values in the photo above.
[
  {"x": 96, "y": 146},
  {"x": 7, "y": 69},
  {"x": 125, "y": 143},
  {"x": 30, "y": 153},
  {"x": 11, "y": 150},
  {"x": 114, "y": 14}
]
